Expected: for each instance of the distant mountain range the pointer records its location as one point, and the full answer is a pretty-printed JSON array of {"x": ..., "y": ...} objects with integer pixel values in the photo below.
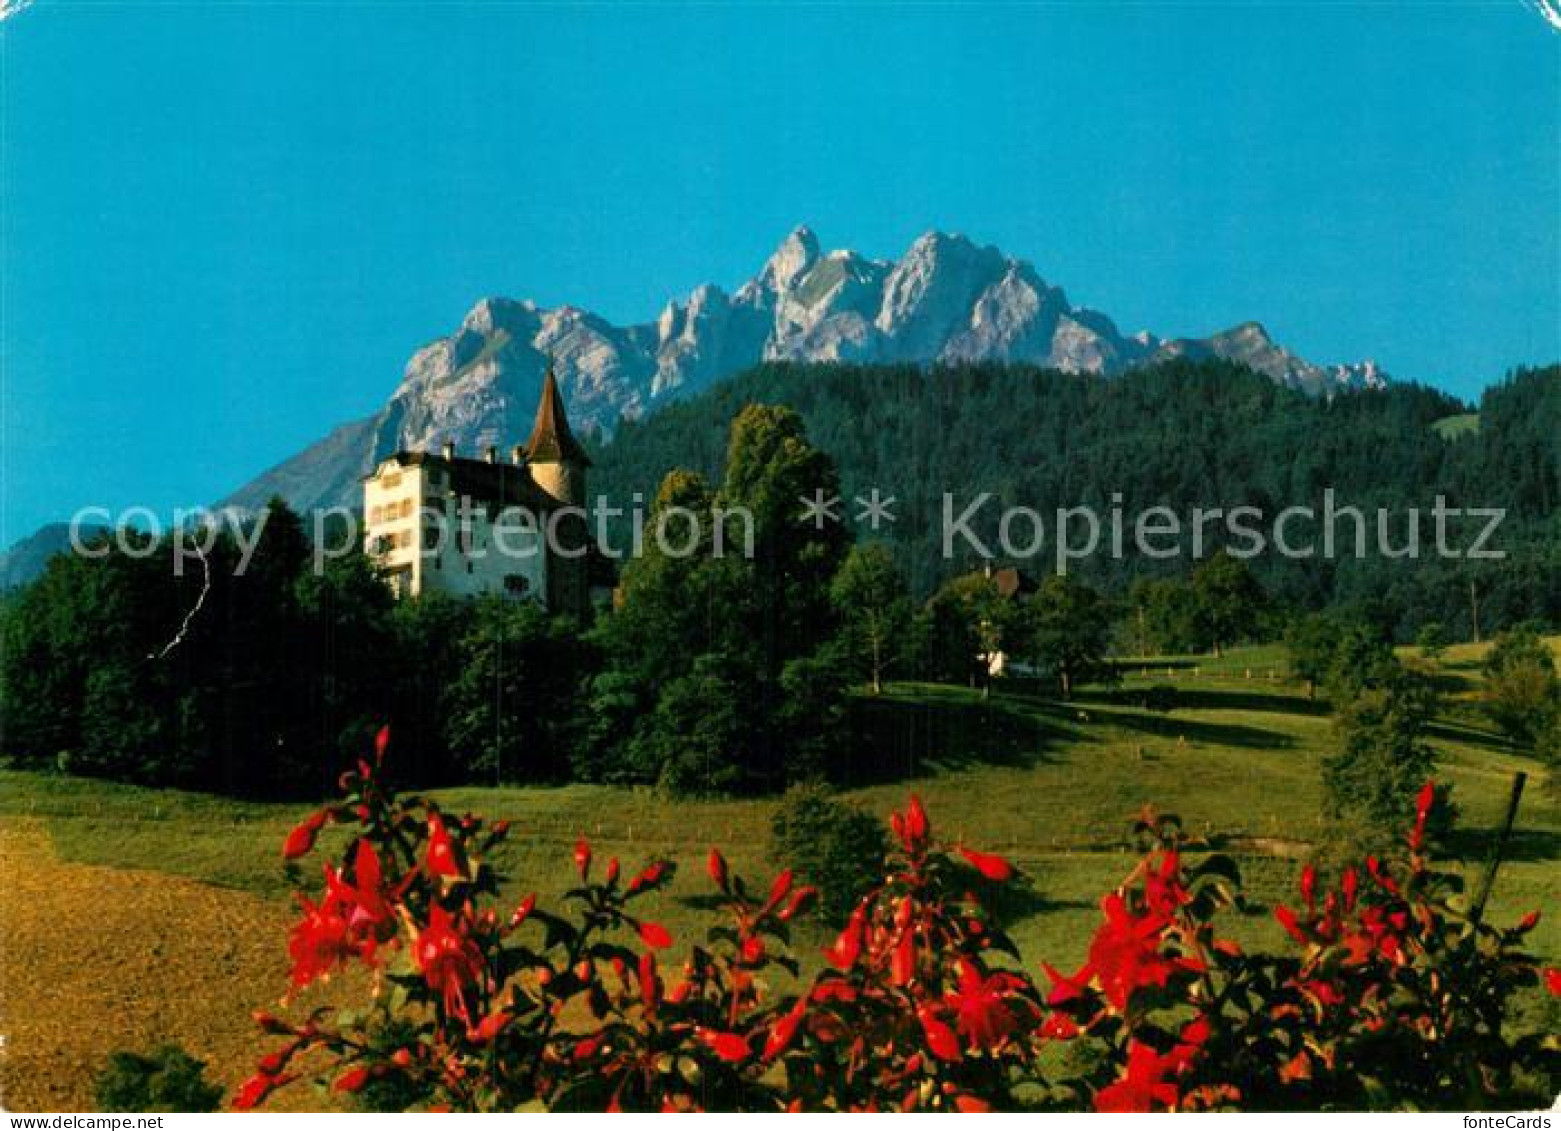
[
  {"x": 946, "y": 300},
  {"x": 26, "y": 559}
]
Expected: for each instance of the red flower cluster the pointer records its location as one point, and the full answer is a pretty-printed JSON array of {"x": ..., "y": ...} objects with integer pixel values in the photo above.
[
  {"x": 1149, "y": 1079},
  {"x": 450, "y": 960},
  {"x": 1140, "y": 945},
  {"x": 923, "y": 1003},
  {"x": 352, "y": 921}
]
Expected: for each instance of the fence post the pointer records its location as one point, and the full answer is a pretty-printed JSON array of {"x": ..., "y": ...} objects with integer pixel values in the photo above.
[{"x": 1488, "y": 880}]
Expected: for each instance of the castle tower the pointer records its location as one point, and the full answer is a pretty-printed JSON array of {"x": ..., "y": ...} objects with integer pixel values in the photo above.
[{"x": 557, "y": 460}]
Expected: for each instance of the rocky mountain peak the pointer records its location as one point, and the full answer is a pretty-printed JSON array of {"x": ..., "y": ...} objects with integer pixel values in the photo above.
[
  {"x": 490, "y": 315},
  {"x": 946, "y": 299},
  {"x": 792, "y": 259},
  {"x": 1251, "y": 333}
]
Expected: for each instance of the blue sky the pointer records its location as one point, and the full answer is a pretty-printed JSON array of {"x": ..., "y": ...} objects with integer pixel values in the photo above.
[{"x": 226, "y": 227}]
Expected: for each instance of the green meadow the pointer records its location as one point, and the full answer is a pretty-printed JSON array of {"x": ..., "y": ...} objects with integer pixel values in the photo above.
[{"x": 1053, "y": 785}]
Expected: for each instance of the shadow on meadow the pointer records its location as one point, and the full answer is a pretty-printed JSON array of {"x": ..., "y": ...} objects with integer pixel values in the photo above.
[
  {"x": 1206, "y": 699},
  {"x": 1009, "y": 904},
  {"x": 1169, "y": 725},
  {"x": 1526, "y": 845},
  {"x": 1468, "y": 734},
  {"x": 899, "y": 736}
]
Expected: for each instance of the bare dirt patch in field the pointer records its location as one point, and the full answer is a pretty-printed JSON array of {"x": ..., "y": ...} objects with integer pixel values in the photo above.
[{"x": 96, "y": 959}]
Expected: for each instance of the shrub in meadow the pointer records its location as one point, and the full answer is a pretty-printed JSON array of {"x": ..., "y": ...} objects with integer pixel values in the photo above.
[
  {"x": 1391, "y": 997},
  {"x": 836, "y": 847},
  {"x": 166, "y": 1079}
]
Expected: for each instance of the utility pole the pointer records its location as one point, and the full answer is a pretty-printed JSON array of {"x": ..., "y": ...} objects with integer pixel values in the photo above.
[{"x": 498, "y": 707}]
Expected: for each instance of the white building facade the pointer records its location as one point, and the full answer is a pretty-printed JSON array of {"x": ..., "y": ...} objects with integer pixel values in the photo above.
[{"x": 466, "y": 527}]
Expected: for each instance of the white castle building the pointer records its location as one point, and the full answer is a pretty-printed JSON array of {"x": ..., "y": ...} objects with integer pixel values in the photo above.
[{"x": 463, "y": 527}]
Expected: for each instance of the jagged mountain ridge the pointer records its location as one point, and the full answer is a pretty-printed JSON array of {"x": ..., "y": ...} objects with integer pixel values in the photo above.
[{"x": 946, "y": 300}]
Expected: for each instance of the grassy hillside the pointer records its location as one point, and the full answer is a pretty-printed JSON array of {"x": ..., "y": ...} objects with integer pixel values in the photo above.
[
  {"x": 1460, "y": 424},
  {"x": 1053, "y": 785}
]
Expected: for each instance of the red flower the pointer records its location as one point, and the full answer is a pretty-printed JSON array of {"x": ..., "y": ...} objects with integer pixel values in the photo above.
[
  {"x": 275, "y": 1061},
  {"x": 785, "y": 1030},
  {"x": 753, "y": 950},
  {"x": 448, "y": 959},
  {"x": 1552, "y": 976},
  {"x": 1324, "y": 993},
  {"x": 300, "y": 842},
  {"x": 381, "y": 743},
  {"x": 583, "y": 857},
  {"x": 843, "y": 954},
  {"x": 1145, "y": 1084},
  {"x": 1195, "y": 1033},
  {"x": 440, "y": 860},
  {"x": 902, "y": 964},
  {"x": 523, "y": 912},
  {"x": 649, "y": 877},
  {"x": 799, "y": 899},
  {"x": 1060, "y": 1027},
  {"x": 365, "y": 902},
  {"x": 1351, "y": 886},
  {"x": 1298, "y": 1067},
  {"x": 916, "y": 823},
  {"x": 1423, "y": 803},
  {"x": 650, "y": 982},
  {"x": 1528, "y": 923},
  {"x": 834, "y": 991},
  {"x": 253, "y": 1092},
  {"x": 911, "y": 826},
  {"x": 993, "y": 867},
  {"x": 1309, "y": 886},
  {"x": 981, "y": 1007},
  {"x": 730, "y": 1047},
  {"x": 492, "y": 1025},
  {"x": 1064, "y": 988},
  {"x": 654, "y": 935},
  {"x": 1380, "y": 875},
  {"x": 941, "y": 1041},
  {"x": 1288, "y": 921},
  {"x": 352, "y": 1080},
  {"x": 716, "y": 866},
  {"x": 1163, "y": 891},
  {"x": 1125, "y": 953},
  {"x": 778, "y": 890},
  {"x": 319, "y": 942}
]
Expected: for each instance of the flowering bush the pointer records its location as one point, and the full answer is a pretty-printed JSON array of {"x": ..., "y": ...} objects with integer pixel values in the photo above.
[{"x": 1393, "y": 997}]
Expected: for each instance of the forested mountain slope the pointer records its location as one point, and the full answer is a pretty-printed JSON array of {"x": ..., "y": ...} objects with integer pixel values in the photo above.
[{"x": 1184, "y": 434}]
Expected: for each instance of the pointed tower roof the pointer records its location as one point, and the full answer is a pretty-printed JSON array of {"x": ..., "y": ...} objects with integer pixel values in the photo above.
[{"x": 551, "y": 441}]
